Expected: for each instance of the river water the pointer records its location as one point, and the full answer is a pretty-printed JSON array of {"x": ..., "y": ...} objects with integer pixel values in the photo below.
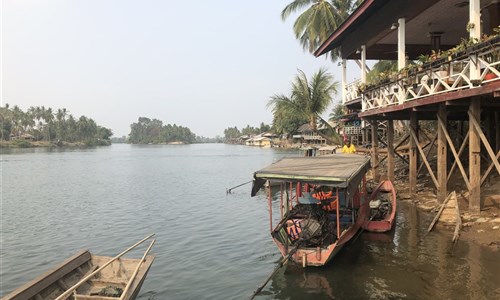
[{"x": 209, "y": 245}]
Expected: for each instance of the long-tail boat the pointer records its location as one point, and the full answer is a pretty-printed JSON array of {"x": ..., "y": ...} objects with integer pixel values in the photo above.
[
  {"x": 323, "y": 204},
  {"x": 382, "y": 208},
  {"x": 85, "y": 276}
]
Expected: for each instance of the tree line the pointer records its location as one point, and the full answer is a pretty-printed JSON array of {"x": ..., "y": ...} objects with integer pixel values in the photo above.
[
  {"x": 38, "y": 123},
  {"x": 152, "y": 131},
  {"x": 234, "y": 132}
]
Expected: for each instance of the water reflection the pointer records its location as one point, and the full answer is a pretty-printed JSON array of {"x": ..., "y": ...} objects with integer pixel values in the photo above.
[{"x": 404, "y": 263}]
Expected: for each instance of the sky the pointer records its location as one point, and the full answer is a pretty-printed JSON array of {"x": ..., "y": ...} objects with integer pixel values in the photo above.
[{"x": 205, "y": 65}]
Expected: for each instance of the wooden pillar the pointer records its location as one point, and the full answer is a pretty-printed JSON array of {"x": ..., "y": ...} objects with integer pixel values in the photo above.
[
  {"x": 442, "y": 152},
  {"x": 475, "y": 158},
  {"x": 344, "y": 80},
  {"x": 374, "y": 150},
  {"x": 497, "y": 130},
  {"x": 474, "y": 26},
  {"x": 363, "y": 64},
  {"x": 413, "y": 156},
  {"x": 390, "y": 150}
]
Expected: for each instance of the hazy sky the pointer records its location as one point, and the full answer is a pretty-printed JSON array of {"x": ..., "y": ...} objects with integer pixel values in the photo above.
[{"x": 206, "y": 65}]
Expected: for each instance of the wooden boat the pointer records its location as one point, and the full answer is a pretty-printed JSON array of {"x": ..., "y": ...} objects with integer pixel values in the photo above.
[
  {"x": 323, "y": 203},
  {"x": 382, "y": 208},
  {"x": 118, "y": 277}
]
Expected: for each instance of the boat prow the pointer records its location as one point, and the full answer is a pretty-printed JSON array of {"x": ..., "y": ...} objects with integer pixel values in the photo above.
[
  {"x": 382, "y": 208},
  {"x": 105, "y": 285}
]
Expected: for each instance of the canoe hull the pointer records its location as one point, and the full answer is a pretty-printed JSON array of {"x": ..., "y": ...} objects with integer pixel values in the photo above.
[
  {"x": 387, "y": 222},
  {"x": 53, "y": 283}
]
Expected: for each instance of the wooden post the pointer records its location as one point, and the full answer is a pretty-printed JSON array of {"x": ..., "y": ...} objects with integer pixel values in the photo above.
[
  {"x": 497, "y": 130},
  {"x": 390, "y": 150},
  {"x": 413, "y": 156},
  {"x": 474, "y": 158},
  {"x": 374, "y": 150},
  {"x": 442, "y": 155}
]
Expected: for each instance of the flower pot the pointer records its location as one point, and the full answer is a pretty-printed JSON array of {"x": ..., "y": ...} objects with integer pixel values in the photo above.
[{"x": 490, "y": 76}]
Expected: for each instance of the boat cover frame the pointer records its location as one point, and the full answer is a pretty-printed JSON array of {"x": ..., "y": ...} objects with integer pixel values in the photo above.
[{"x": 343, "y": 171}]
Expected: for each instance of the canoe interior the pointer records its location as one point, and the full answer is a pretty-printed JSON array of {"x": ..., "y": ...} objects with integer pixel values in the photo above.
[{"x": 112, "y": 280}]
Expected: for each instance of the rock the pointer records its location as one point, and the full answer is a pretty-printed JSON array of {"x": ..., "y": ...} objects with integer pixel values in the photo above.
[
  {"x": 497, "y": 220},
  {"x": 480, "y": 230},
  {"x": 481, "y": 220}
]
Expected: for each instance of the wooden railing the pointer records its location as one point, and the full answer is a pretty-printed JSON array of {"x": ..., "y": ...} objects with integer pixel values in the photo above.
[{"x": 445, "y": 75}]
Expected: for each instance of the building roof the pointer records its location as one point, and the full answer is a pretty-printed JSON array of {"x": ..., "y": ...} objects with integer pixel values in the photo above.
[
  {"x": 340, "y": 170},
  {"x": 370, "y": 25}
]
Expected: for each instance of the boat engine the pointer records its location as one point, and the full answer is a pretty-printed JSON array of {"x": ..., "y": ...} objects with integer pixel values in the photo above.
[{"x": 378, "y": 209}]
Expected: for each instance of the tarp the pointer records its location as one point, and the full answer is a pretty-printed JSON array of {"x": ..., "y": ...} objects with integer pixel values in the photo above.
[{"x": 339, "y": 170}]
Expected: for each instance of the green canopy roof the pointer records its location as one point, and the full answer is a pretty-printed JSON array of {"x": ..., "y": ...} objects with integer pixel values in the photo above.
[{"x": 338, "y": 170}]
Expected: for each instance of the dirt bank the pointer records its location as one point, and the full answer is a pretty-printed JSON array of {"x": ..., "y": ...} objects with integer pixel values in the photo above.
[{"x": 482, "y": 228}]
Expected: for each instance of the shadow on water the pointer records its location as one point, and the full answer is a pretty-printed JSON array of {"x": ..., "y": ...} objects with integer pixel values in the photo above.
[{"x": 404, "y": 263}]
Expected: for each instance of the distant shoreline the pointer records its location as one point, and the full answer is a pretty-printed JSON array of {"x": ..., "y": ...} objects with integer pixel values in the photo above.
[{"x": 45, "y": 144}]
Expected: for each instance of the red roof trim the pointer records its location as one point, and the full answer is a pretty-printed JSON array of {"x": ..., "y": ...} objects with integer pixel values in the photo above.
[{"x": 340, "y": 30}]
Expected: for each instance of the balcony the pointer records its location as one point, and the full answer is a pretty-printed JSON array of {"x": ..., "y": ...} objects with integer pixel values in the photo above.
[{"x": 443, "y": 75}]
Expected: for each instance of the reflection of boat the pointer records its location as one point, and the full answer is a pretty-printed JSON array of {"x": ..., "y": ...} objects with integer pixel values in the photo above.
[
  {"x": 323, "y": 204},
  {"x": 108, "y": 284},
  {"x": 382, "y": 208}
]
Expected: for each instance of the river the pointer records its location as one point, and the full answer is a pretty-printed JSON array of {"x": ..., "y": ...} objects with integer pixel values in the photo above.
[{"x": 209, "y": 245}]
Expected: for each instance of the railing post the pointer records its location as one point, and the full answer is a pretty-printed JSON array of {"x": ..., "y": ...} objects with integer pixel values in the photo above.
[{"x": 474, "y": 27}]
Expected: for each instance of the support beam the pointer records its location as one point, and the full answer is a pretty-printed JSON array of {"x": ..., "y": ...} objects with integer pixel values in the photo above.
[
  {"x": 457, "y": 156},
  {"x": 344, "y": 80},
  {"x": 497, "y": 130},
  {"x": 483, "y": 179},
  {"x": 413, "y": 156},
  {"x": 474, "y": 27},
  {"x": 427, "y": 154},
  {"x": 424, "y": 159},
  {"x": 442, "y": 152},
  {"x": 363, "y": 64},
  {"x": 401, "y": 43},
  {"x": 483, "y": 138},
  {"x": 390, "y": 150},
  {"x": 474, "y": 157},
  {"x": 374, "y": 150}
]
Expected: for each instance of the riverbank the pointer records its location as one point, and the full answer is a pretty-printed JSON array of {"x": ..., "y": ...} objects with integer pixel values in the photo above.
[
  {"x": 482, "y": 228},
  {"x": 46, "y": 144}
]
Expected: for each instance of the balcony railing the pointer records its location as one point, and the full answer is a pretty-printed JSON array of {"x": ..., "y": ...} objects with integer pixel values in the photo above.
[{"x": 442, "y": 76}]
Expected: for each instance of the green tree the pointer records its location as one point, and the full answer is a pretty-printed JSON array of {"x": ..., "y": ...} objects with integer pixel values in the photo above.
[
  {"x": 308, "y": 99},
  {"x": 318, "y": 20}
]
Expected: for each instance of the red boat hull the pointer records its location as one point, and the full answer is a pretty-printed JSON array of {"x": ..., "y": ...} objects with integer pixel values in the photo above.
[{"x": 387, "y": 222}]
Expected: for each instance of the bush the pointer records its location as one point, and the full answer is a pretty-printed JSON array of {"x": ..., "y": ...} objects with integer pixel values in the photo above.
[{"x": 21, "y": 144}]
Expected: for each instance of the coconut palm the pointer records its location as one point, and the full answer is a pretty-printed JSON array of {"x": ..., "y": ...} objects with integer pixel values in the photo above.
[
  {"x": 308, "y": 99},
  {"x": 318, "y": 21}
]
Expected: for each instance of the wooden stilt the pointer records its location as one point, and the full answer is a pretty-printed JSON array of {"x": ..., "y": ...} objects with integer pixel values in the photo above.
[
  {"x": 413, "y": 156},
  {"x": 442, "y": 155},
  {"x": 390, "y": 150},
  {"x": 375, "y": 150},
  {"x": 474, "y": 157},
  {"x": 497, "y": 130},
  {"x": 424, "y": 159}
]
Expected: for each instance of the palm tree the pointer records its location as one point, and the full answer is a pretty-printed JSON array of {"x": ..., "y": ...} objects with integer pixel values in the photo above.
[
  {"x": 308, "y": 99},
  {"x": 318, "y": 21}
]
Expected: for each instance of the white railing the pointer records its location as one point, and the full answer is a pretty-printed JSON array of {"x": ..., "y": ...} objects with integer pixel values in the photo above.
[
  {"x": 351, "y": 91},
  {"x": 450, "y": 74}
]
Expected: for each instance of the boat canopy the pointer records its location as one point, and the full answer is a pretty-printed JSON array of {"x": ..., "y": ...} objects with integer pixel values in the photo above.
[{"x": 339, "y": 170}]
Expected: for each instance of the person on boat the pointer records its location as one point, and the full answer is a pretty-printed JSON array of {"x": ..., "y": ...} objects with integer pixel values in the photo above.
[{"x": 348, "y": 148}]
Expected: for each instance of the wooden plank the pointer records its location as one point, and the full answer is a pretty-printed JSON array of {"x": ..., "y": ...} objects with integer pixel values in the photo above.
[
  {"x": 458, "y": 225},
  {"x": 485, "y": 141},
  {"x": 390, "y": 150},
  {"x": 37, "y": 285},
  {"x": 457, "y": 158},
  {"x": 427, "y": 154},
  {"x": 375, "y": 149},
  {"x": 474, "y": 158},
  {"x": 462, "y": 148},
  {"x": 439, "y": 213},
  {"x": 424, "y": 159},
  {"x": 413, "y": 155},
  {"x": 442, "y": 152},
  {"x": 489, "y": 170}
]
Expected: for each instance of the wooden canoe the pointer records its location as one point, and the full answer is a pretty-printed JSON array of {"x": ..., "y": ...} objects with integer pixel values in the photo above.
[
  {"x": 380, "y": 221},
  {"x": 105, "y": 285}
]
